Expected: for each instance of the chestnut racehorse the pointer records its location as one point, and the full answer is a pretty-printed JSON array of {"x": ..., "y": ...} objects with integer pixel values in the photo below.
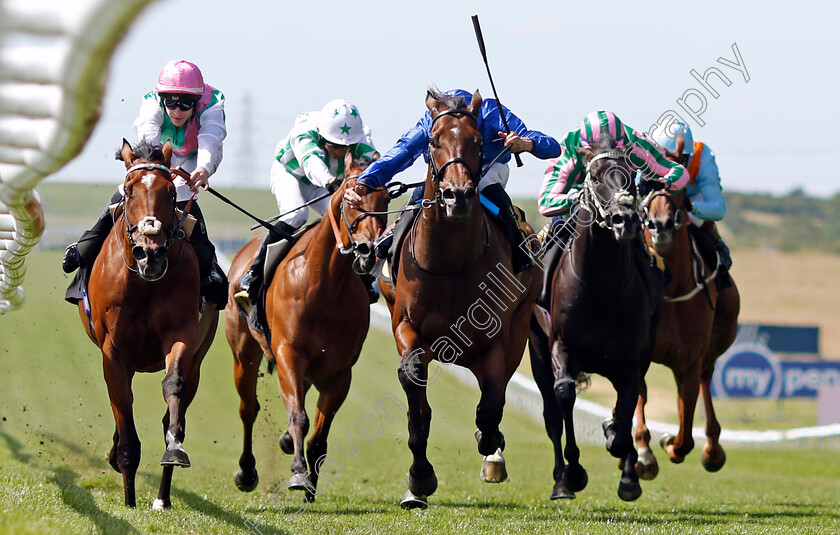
[
  {"x": 144, "y": 298},
  {"x": 318, "y": 314},
  {"x": 698, "y": 323},
  {"x": 602, "y": 318},
  {"x": 456, "y": 299}
]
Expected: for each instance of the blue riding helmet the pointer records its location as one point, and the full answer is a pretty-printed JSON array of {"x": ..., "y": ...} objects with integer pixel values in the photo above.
[{"x": 667, "y": 137}]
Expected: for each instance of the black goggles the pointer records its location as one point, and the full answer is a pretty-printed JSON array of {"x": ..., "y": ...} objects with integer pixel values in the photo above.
[{"x": 181, "y": 104}]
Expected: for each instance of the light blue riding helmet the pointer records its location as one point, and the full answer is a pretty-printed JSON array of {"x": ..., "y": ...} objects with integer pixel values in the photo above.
[{"x": 667, "y": 137}]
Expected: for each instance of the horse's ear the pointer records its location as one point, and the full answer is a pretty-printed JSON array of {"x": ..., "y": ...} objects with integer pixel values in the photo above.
[
  {"x": 432, "y": 104},
  {"x": 348, "y": 159},
  {"x": 375, "y": 156},
  {"x": 475, "y": 104},
  {"x": 167, "y": 153},
  {"x": 586, "y": 153},
  {"x": 126, "y": 154},
  {"x": 680, "y": 145}
]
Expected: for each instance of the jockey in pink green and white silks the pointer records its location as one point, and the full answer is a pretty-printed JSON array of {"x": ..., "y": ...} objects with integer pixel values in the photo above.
[
  {"x": 302, "y": 167},
  {"x": 601, "y": 129},
  {"x": 198, "y": 143}
]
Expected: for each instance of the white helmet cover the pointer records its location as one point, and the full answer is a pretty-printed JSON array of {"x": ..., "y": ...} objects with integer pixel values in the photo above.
[{"x": 340, "y": 123}]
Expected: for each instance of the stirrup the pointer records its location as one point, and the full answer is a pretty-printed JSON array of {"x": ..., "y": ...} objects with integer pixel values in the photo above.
[{"x": 243, "y": 300}]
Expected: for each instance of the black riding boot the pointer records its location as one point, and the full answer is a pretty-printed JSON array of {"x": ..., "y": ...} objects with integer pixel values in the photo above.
[
  {"x": 373, "y": 295},
  {"x": 212, "y": 277},
  {"x": 85, "y": 251},
  {"x": 721, "y": 247},
  {"x": 507, "y": 214},
  {"x": 251, "y": 280},
  {"x": 556, "y": 239}
]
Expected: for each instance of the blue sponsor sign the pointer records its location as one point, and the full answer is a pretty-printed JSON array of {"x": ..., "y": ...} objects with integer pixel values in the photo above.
[{"x": 751, "y": 370}]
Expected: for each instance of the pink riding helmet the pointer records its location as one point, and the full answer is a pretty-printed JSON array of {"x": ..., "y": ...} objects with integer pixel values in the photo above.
[
  {"x": 179, "y": 76},
  {"x": 599, "y": 125}
]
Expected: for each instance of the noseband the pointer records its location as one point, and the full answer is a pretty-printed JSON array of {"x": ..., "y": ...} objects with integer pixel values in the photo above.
[
  {"x": 649, "y": 199},
  {"x": 590, "y": 197},
  {"x": 437, "y": 172},
  {"x": 355, "y": 247},
  {"x": 150, "y": 224}
]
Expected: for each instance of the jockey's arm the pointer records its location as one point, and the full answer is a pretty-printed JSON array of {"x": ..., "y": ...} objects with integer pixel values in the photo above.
[
  {"x": 398, "y": 158},
  {"x": 708, "y": 201}
]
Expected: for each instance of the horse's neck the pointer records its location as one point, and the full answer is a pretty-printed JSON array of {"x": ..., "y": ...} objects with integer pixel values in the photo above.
[
  {"x": 597, "y": 253},
  {"x": 445, "y": 246},
  {"x": 680, "y": 259},
  {"x": 323, "y": 250}
]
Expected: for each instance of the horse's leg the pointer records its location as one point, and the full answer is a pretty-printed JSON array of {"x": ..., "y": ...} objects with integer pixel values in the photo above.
[
  {"x": 329, "y": 401},
  {"x": 190, "y": 388},
  {"x": 291, "y": 369},
  {"x": 174, "y": 386},
  {"x": 541, "y": 369},
  {"x": 620, "y": 437},
  {"x": 646, "y": 466},
  {"x": 422, "y": 481},
  {"x": 574, "y": 478},
  {"x": 688, "y": 387},
  {"x": 247, "y": 356},
  {"x": 125, "y": 453},
  {"x": 713, "y": 457},
  {"x": 490, "y": 373}
]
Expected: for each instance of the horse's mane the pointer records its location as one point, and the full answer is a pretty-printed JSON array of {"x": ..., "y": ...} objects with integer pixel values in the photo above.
[
  {"x": 454, "y": 102},
  {"x": 144, "y": 150}
]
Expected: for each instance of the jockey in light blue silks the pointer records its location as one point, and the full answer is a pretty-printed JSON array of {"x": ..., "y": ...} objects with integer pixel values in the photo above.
[{"x": 703, "y": 189}]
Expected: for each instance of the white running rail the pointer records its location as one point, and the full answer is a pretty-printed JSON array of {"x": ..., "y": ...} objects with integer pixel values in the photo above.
[{"x": 53, "y": 60}]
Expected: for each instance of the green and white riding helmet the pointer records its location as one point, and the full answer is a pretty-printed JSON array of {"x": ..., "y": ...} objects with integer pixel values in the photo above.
[{"x": 340, "y": 123}]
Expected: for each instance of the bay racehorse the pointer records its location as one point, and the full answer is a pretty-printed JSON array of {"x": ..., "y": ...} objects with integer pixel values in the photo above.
[
  {"x": 697, "y": 325},
  {"x": 317, "y": 310},
  {"x": 602, "y": 316},
  {"x": 144, "y": 298},
  {"x": 456, "y": 299}
]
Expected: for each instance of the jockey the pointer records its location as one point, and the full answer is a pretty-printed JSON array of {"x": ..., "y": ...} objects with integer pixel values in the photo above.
[
  {"x": 191, "y": 115},
  {"x": 703, "y": 189},
  {"x": 308, "y": 164},
  {"x": 565, "y": 175},
  {"x": 416, "y": 142}
]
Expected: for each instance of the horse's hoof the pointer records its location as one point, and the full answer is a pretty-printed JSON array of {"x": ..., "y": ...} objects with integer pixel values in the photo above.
[
  {"x": 646, "y": 467},
  {"x": 608, "y": 426},
  {"x": 562, "y": 492},
  {"x": 160, "y": 505},
  {"x": 246, "y": 483},
  {"x": 667, "y": 443},
  {"x": 493, "y": 468},
  {"x": 629, "y": 490},
  {"x": 575, "y": 479},
  {"x": 309, "y": 497},
  {"x": 713, "y": 463},
  {"x": 301, "y": 481},
  {"x": 175, "y": 457},
  {"x": 411, "y": 501},
  {"x": 422, "y": 487},
  {"x": 287, "y": 445}
]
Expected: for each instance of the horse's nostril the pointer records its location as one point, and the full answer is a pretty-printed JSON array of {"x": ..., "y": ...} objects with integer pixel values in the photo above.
[
  {"x": 669, "y": 225},
  {"x": 651, "y": 225},
  {"x": 363, "y": 249},
  {"x": 617, "y": 221},
  {"x": 469, "y": 193},
  {"x": 448, "y": 194},
  {"x": 138, "y": 252}
]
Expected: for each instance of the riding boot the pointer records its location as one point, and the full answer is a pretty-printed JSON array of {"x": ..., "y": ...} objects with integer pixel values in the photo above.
[
  {"x": 722, "y": 280},
  {"x": 555, "y": 242},
  {"x": 521, "y": 257},
  {"x": 368, "y": 279},
  {"x": 212, "y": 277},
  {"x": 85, "y": 251},
  {"x": 251, "y": 281}
]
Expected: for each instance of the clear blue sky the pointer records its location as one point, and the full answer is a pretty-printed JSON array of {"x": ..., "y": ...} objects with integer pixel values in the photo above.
[{"x": 553, "y": 62}]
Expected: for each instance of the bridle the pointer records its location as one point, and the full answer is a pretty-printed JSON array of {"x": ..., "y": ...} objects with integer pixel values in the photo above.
[
  {"x": 150, "y": 224},
  {"x": 645, "y": 205},
  {"x": 437, "y": 172},
  {"x": 590, "y": 197},
  {"x": 355, "y": 247}
]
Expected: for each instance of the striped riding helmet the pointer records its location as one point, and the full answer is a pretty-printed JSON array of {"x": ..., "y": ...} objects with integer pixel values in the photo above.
[{"x": 602, "y": 125}]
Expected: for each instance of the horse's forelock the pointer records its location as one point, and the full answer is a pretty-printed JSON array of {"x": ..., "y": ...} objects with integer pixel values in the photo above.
[
  {"x": 144, "y": 151},
  {"x": 454, "y": 102}
]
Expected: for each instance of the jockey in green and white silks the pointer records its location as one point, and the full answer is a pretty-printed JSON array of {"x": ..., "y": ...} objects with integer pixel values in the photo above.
[
  {"x": 198, "y": 143},
  {"x": 303, "y": 167}
]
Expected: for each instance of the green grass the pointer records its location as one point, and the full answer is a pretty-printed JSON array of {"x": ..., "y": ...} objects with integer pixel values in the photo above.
[{"x": 56, "y": 427}]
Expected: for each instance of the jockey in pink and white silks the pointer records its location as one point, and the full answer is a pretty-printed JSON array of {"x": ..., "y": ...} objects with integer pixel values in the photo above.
[
  {"x": 565, "y": 175},
  {"x": 308, "y": 165},
  {"x": 190, "y": 114}
]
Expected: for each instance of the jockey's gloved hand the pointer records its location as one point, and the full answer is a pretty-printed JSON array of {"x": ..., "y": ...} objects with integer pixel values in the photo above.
[
  {"x": 333, "y": 185},
  {"x": 689, "y": 206}
]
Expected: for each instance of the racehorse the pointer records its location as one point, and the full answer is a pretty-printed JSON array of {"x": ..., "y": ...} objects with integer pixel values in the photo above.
[
  {"x": 142, "y": 290},
  {"x": 317, "y": 310},
  {"x": 602, "y": 316},
  {"x": 456, "y": 299},
  {"x": 698, "y": 323}
]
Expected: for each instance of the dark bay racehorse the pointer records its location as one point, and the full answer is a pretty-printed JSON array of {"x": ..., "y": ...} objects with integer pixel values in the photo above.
[
  {"x": 317, "y": 310},
  {"x": 144, "y": 295},
  {"x": 456, "y": 299},
  {"x": 697, "y": 325},
  {"x": 601, "y": 321}
]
